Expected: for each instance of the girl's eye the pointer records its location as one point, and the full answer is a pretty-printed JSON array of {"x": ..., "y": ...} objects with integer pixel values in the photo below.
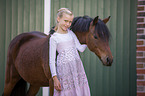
[
  {"x": 65, "y": 20},
  {"x": 95, "y": 37}
]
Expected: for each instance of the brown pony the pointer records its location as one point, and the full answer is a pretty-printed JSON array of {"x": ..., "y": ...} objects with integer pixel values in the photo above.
[{"x": 28, "y": 60}]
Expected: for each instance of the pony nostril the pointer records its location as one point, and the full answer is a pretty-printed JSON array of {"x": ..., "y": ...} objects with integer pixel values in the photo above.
[{"x": 109, "y": 61}]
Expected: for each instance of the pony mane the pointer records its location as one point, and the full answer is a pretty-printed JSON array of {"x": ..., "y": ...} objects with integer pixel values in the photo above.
[
  {"x": 81, "y": 24},
  {"x": 102, "y": 30}
]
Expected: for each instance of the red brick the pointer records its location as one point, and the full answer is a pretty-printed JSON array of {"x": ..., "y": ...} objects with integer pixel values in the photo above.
[
  {"x": 140, "y": 31},
  {"x": 139, "y": 43},
  {"x": 140, "y": 88},
  {"x": 141, "y": 71},
  {"x": 141, "y": 48},
  {"x": 139, "y": 53},
  {"x": 141, "y": 2},
  {"x": 140, "y": 19},
  {"x": 140, "y": 8},
  {"x": 140, "y": 25},
  {"x": 139, "y": 66},
  {"x": 140, "y": 60},
  {"x": 140, "y": 36},
  {"x": 141, "y": 14},
  {"x": 141, "y": 83},
  {"x": 140, "y": 94},
  {"x": 140, "y": 77}
]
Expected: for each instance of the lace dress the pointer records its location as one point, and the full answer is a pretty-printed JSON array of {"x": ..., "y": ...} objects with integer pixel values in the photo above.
[{"x": 69, "y": 68}]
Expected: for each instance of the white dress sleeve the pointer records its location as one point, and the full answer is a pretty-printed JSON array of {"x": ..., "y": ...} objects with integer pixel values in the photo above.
[
  {"x": 52, "y": 55},
  {"x": 79, "y": 47}
]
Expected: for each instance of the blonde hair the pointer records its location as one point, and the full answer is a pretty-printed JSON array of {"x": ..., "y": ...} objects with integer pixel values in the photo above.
[
  {"x": 63, "y": 10},
  {"x": 60, "y": 14}
]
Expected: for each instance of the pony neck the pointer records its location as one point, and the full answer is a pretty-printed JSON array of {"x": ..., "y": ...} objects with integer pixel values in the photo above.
[{"x": 81, "y": 36}]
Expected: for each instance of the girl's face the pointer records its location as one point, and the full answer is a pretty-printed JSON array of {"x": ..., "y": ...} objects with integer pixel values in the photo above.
[{"x": 65, "y": 21}]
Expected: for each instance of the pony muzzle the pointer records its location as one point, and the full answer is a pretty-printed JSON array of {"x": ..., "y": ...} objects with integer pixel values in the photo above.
[{"x": 107, "y": 61}]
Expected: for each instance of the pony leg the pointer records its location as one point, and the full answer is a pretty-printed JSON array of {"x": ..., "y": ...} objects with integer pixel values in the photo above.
[
  {"x": 51, "y": 87},
  {"x": 33, "y": 90}
]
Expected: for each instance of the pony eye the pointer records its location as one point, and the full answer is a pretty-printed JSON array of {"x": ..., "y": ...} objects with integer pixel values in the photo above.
[{"x": 95, "y": 37}]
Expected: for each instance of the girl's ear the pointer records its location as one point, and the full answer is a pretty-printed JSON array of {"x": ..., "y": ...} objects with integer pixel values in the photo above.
[{"x": 58, "y": 19}]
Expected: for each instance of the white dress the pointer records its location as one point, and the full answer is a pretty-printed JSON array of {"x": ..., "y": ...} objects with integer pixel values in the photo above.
[{"x": 68, "y": 68}]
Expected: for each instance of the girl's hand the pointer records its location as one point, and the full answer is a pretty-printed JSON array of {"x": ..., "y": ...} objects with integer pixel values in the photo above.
[{"x": 57, "y": 84}]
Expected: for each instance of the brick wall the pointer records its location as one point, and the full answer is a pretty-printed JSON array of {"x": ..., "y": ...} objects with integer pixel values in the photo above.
[{"x": 141, "y": 48}]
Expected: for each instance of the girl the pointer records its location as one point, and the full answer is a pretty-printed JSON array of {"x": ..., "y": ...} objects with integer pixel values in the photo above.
[{"x": 68, "y": 73}]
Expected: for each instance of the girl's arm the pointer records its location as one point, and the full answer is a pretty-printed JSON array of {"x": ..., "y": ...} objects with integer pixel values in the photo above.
[
  {"x": 79, "y": 47},
  {"x": 52, "y": 55}
]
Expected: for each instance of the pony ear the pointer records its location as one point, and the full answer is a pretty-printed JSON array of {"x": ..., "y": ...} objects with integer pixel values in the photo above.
[
  {"x": 106, "y": 19},
  {"x": 95, "y": 20}
]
